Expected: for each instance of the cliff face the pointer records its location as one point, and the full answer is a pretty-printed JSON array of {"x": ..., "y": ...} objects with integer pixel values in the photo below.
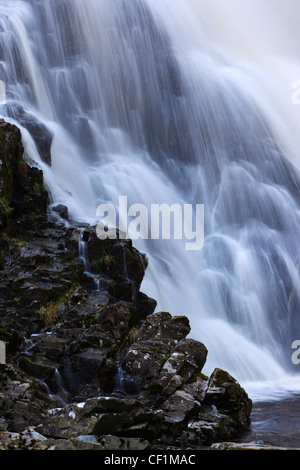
[
  {"x": 89, "y": 363},
  {"x": 23, "y": 197}
]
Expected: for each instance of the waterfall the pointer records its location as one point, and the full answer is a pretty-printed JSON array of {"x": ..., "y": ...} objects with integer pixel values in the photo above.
[
  {"x": 84, "y": 253},
  {"x": 177, "y": 101}
]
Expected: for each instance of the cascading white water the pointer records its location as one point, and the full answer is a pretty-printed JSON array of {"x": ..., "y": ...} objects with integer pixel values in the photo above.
[{"x": 178, "y": 101}]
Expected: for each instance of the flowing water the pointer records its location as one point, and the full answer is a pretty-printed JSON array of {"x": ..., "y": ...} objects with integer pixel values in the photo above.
[{"x": 178, "y": 101}]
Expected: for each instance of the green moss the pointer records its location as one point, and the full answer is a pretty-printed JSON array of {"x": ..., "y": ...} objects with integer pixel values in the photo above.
[
  {"x": 164, "y": 359},
  {"x": 221, "y": 376},
  {"x": 153, "y": 388},
  {"x": 15, "y": 243},
  {"x": 197, "y": 375},
  {"x": 158, "y": 351},
  {"x": 5, "y": 334},
  {"x": 5, "y": 207},
  {"x": 105, "y": 263}
]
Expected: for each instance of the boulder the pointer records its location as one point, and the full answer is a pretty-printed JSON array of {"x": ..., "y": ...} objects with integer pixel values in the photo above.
[{"x": 227, "y": 395}]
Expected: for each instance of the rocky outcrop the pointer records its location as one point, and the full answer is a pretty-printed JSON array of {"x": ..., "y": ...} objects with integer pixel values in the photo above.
[
  {"x": 23, "y": 197},
  {"x": 90, "y": 364},
  {"x": 40, "y": 133}
]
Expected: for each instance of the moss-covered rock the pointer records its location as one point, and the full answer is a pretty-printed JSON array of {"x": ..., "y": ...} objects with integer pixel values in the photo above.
[{"x": 23, "y": 197}]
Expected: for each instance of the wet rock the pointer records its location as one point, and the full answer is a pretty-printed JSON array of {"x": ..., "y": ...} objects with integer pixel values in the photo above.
[
  {"x": 106, "y": 375},
  {"x": 38, "y": 368},
  {"x": 73, "y": 336},
  {"x": 119, "y": 318},
  {"x": 117, "y": 259},
  {"x": 197, "y": 386},
  {"x": 61, "y": 210},
  {"x": 145, "y": 305},
  {"x": 179, "y": 406},
  {"x": 162, "y": 358},
  {"x": 162, "y": 325},
  {"x": 226, "y": 394},
  {"x": 209, "y": 425},
  {"x": 22, "y": 193},
  {"x": 39, "y": 132},
  {"x": 101, "y": 416},
  {"x": 81, "y": 369},
  {"x": 50, "y": 347},
  {"x": 186, "y": 359}
]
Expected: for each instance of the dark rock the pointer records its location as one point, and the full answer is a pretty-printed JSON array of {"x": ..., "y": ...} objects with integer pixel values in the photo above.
[
  {"x": 106, "y": 375},
  {"x": 162, "y": 326},
  {"x": 209, "y": 425},
  {"x": 81, "y": 369},
  {"x": 40, "y": 369},
  {"x": 117, "y": 258},
  {"x": 12, "y": 338},
  {"x": 22, "y": 193},
  {"x": 119, "y": 319},
  {"x": 41, "y": 135},
  {"x": 74, "y": 335},
  {"x": 179, "y": 406},
  {"x": 62, "y": 211},
  {"x": 145, "y": 305},
  {"x": 110, "y": 443},
  {"x": 101, "y": 416},
  {"x": 227, "y": 395},
  {"x": 159, "y": 335},
  {"x": 186, "y": 359}
]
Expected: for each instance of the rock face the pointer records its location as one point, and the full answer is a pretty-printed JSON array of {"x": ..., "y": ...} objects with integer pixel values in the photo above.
[
  {"x": 40, "y": 134},
  {"x": 89, "y": 363},
  {"x": 23, "y": 198}
]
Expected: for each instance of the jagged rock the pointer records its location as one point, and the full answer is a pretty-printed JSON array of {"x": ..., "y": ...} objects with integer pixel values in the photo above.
[
  {"x": 210, "y": 425},
  {"x": 119, "y": 319},
  {"x": 179, "y": 406},
  {"x": 197, "y": 387},
  {"x": 12, "y": 339},
  {"x": 101, "y": 416},
  {"x": 74, "y": 335},
  {"x": 186, "y": 359},
  {"x": 145, "y": 305},
  {"x": 81, "y": 369},
  {"x": 118, "y": 259},
  {"x": 226, "y": 393},
  {"x": 162, "y": 326},
  {"x": 27, "y": 440},
  {"x": 38, "y": 368},
  {"x": 161, "y": 357},
  {"x": 22, "y": 193}
]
